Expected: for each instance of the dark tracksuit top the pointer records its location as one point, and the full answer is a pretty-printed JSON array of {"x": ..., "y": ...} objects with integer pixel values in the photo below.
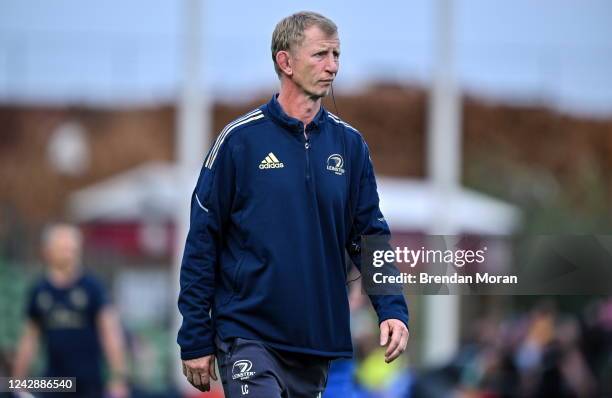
[{"x": 271, "y": 216}]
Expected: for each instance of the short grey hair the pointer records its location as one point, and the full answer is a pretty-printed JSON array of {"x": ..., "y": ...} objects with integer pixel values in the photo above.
[{"x": 289, "y": 32}]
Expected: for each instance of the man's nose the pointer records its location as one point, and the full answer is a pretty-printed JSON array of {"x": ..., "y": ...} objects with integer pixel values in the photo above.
[{"x": 332, "y": 64}]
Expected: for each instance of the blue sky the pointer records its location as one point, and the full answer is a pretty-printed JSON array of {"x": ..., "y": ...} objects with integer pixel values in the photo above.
[{"x": 113, "y": 51}]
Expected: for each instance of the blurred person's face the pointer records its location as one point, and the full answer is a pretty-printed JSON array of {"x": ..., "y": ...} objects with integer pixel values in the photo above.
[
  {"x": 315, "y": 62},
  {"x": 62, "y": 249}
]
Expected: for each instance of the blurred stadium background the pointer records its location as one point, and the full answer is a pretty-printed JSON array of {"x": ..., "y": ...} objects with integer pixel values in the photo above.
[{"x": 482, "y": 118}]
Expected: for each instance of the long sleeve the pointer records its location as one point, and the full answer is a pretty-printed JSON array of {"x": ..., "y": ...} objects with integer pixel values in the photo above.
[
  {"x": 210, "y": 211},
  {"x": 369, "y": 220}
]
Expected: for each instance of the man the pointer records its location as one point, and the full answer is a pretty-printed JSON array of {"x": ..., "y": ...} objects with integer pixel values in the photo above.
[
  {"x": 69, "y": 310},
  {"x": 283, "y": 192}
]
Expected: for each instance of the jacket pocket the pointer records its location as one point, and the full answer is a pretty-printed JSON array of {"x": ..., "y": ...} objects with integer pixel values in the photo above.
[
  {"x": 231, "y": 286},
  {"x": 236, "y": 274}
]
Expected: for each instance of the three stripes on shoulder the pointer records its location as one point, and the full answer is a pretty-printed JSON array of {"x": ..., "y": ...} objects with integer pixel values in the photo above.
[
  {"x": 340, "y": 121},
  {"x": 249, "y": 117}
]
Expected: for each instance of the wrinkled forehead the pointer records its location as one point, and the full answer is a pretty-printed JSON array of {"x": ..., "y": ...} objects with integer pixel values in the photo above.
[{"x": 314, "y": 36}]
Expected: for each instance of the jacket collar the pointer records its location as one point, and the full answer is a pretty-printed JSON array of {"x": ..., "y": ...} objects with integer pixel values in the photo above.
[{"x": 278, "y": 114}]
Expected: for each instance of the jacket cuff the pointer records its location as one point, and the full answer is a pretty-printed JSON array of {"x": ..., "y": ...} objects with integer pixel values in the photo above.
[
  {"x": 390, "y": 315},
  {"x": 186, "y": 355}
]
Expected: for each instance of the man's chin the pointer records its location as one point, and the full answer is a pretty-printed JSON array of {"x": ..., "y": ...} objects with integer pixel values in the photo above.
[{"x": 319, "y": 93}]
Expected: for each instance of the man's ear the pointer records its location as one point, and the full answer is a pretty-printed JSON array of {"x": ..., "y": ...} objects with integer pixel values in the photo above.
[{"x": 284, "y": 62}]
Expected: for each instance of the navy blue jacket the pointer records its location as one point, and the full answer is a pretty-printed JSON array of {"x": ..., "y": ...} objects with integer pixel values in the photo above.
[
  {"x": 271, "y": 217},
  {"x": 66, "y": 318}
]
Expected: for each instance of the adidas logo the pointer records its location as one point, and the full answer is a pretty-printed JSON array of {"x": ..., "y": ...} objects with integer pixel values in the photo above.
[{"x": 271, "y": 162}]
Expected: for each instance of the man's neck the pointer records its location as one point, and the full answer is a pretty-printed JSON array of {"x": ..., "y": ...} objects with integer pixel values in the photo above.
[
  {"x": 298, "y": 105},
  {"x": 62, "y": 277}
]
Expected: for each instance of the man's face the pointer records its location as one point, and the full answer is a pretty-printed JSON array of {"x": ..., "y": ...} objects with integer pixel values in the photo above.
[
  {"x": 315, "y": 62},
  {"x": 63, "y": 248}
]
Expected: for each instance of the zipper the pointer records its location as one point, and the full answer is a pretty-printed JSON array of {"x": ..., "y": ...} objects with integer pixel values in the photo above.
[{"x": 307, "y": 150}]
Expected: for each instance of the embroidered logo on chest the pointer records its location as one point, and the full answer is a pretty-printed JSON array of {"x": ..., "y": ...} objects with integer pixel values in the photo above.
[
  {"x": 335, "y": 163},
  {"x": 271, "y": 162}
]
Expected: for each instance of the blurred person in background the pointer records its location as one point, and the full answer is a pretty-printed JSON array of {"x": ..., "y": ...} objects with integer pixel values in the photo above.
[
  {"x": 538, "y": 353},
  {"x": 597, "y": 343},
  {"x": 69, "y": 311},
  {"x": 284, "y": 192}
]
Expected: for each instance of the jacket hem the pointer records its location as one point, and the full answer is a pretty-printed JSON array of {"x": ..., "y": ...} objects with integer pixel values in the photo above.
[{"x": 292, "y": 348}]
